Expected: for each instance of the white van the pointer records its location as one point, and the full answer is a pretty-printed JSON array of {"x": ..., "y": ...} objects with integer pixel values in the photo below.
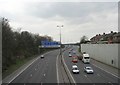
[{"x": 86, "y": 58}]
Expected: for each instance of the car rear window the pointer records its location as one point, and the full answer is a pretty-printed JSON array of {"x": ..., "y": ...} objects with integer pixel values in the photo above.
[
  {"x": 86, "y": 57},
  {"x": 89, "y": 68}
]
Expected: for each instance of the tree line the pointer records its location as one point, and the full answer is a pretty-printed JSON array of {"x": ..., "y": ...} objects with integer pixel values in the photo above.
[{"x": 18, "y": 45}]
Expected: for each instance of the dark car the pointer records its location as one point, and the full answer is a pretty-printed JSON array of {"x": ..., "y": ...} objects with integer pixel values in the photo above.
[{"x": 42, "y": 56}]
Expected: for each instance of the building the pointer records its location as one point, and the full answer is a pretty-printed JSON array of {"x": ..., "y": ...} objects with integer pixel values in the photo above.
[{"x": 112, "y": 37}]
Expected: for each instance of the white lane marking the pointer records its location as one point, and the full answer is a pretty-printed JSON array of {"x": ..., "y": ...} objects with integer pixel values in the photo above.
[
  {"x": 98, "y": 74},
  {"x": 68, "y": 70},
  {"x": 57, "y": 69},
  {"x": 88, "y": 79},
  {"x": 110, "y": 83},
  {"x": 44, "y": 74},
  {"x": 106, "y": 71},
  {"x": 26, "y": 68},
  {"x": 85, "y": 75},
  {"x": 31, "y": 75}
]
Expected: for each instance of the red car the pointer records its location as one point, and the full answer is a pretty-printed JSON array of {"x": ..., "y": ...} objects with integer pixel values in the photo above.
[{"x": 75, "y": 60}]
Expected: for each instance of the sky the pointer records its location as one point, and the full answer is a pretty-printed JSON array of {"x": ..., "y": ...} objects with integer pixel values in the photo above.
[{"x": 77, "y": 17}]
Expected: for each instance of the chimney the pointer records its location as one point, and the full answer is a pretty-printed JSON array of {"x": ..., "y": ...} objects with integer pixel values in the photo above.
[
  {"x": 103, "y": 33},
  {"x": 111, "y": 31}
]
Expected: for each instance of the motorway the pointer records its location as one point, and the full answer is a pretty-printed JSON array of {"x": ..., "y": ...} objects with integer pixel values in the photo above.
[
  {"x": 41, "y": 71},
  {"x": 50, "y": 70},
  {"x": 99, "y": 75}
]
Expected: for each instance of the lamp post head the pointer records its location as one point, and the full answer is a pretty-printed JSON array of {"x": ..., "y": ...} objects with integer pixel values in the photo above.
[{"x": 60, "y": 26}]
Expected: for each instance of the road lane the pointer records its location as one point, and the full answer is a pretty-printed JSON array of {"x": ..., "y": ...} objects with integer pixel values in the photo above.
[
  {"x": 99, "y": 75},
  {"x": 41, "y": 71}
]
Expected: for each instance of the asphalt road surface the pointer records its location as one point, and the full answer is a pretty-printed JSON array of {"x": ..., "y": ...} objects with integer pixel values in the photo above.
[
  {"x": 41, "y": 71},
  {"x": 44, "y": 71},
  {"x": 99, "y": 75}
]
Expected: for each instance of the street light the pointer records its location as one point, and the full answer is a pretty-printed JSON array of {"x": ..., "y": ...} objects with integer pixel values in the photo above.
[{"x": 60, "y": 26}]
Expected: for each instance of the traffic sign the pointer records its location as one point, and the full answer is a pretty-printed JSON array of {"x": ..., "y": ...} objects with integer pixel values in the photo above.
[{"x": 50, "y": 44}]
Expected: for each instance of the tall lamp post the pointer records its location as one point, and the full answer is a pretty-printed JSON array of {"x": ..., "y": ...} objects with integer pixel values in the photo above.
[{"x": 60, "y": 26}]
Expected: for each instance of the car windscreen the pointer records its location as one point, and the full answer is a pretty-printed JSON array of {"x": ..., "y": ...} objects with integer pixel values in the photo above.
[
  {"x": 75, "y": 68},
  {"x": 89, "y": 68}
]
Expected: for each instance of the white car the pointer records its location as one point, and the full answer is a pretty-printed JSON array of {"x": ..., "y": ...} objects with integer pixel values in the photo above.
[
  {"x": 75, "y": 69},
  {"x": 70, "y": 55},
  {"x": 42, "y": 56},
  {"x": 88, "y": 69}
]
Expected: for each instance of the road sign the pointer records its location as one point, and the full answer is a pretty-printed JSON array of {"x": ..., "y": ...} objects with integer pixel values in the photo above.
[{"x": 50, "y": 44}]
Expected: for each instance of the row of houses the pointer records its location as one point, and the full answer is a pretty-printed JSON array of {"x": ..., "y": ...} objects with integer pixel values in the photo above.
[{"x": 112, "y": 37}]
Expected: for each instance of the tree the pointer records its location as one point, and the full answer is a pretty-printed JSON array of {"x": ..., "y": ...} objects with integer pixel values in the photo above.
[
  {"x": 8, "y": 44},
  {"x": 83, "y": 39},
  {"x": 18, "y": 45}
]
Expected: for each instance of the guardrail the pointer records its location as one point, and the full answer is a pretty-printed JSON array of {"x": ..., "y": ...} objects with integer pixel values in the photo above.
[{"x": 69, "y": 76}]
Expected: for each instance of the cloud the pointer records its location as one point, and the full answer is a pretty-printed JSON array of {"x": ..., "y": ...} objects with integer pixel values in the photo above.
[
  {"x": 67, "y": 9},
  {"x": 72, "y": 12},
  {"x": 78, "y": 18}
]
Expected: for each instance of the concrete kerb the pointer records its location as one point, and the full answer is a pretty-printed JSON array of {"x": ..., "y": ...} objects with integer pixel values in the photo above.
[
  {"x": 71, "y": 79},
  {"x": 57, "y": 70}
]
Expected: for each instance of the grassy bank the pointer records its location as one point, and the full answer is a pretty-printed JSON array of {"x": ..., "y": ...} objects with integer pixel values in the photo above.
[
  {"x": 14, "y": 67},
  {"x": 79, "y": 50}
]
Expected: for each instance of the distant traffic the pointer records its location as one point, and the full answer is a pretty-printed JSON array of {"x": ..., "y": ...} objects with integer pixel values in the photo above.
[{"x": 85, "y": 58}]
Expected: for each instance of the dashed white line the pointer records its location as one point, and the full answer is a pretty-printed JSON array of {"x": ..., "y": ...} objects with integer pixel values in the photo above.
[
  {"x": 44, "y": 74},
  {"x": 25, "y": 68},
  {"x": 88, "y": 79},
  {"x": 85, "y": 75},
  {"x": 31, "y": 75},
  {"x": 98, "y": 74}
]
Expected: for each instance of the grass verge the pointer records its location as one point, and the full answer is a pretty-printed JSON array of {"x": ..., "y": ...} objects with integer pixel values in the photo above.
[{"x": 14, "y": 67}]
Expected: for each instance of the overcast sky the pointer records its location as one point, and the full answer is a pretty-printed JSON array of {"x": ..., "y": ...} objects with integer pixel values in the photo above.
[{"x": 78, "y": 18}]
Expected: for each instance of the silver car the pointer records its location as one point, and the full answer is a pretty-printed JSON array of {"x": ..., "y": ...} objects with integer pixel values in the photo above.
[{"x": 88, "y": 69}]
